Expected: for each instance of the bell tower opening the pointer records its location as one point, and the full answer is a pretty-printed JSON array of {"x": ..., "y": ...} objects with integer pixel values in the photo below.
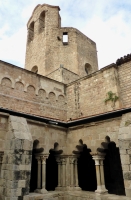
[{"x": 42, "y": 22}]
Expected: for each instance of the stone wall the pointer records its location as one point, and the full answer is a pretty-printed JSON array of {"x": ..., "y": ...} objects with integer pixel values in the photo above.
[
  {"x": 24, "y": 91},
  {"x": 93, "y": 134},
  {"x": 124, "y": 72},
  {"x": 48, "y": 135},
  {"x": 86, "y": 97},
  {"x": 124, "y": 138},
  {"x": 3, "y": 129}
]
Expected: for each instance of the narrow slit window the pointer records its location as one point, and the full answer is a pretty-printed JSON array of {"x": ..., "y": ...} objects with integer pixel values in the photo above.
[{"x": 65, "y": 38}]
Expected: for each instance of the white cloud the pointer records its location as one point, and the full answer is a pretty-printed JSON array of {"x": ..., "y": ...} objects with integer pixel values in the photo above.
[{"x": 105, "y": 22}]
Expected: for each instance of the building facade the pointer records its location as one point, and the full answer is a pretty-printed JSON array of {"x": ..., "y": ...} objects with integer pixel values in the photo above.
[{"x": 65, "y": 126}]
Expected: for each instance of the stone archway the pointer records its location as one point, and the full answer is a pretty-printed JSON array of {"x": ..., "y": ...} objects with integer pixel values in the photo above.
[
  {"x": 86, "y": 168},
  {"x": 34, "y": 166},
  {"x": 114, "y": 182},
  {"x": 52, "y": 168}
]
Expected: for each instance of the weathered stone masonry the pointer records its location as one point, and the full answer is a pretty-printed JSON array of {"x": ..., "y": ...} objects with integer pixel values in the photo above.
[{"x": 64, "y": 125}]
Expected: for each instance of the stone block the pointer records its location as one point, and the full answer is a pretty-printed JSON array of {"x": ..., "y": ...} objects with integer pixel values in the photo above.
[
  {"x": 125, "y": 159},
  {"x": 27, "y": 145},
  {"x": 123, "y": 152},
  {"x": 124, "y": 144},
  {"x": 127, "y": 175},
  {"x": 128, "y": 192},
  {"x": 21, "y": 183},
  {"x": 12, "y": 184},
  {"x": 125, "y": 167}
]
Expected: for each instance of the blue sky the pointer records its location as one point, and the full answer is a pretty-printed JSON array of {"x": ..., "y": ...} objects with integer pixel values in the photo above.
[{"x": 108, "y": 23}]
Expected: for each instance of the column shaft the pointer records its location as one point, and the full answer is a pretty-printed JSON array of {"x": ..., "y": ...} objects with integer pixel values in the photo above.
[
  {"x": 100, "y": 173},
  {"x": 72, "y": 172},
  {"x": 39, "y": 174},
  {"x": 98, "y": 177},
  {"x": 76, "y": 174},
  {"x": 64, "y": 172},
  {"x": 43, "y": 174}
]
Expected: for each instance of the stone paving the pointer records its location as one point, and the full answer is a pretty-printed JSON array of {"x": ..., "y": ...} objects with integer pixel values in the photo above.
[{"x": 71, "y": 195}]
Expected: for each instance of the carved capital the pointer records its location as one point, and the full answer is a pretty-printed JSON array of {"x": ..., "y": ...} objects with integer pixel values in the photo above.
[
  {"x": 58, "y": 160},
  {"x": 63, "y": 161},
  {"x": 98, "y": 158},
  {"x": 72, "y": 160}
]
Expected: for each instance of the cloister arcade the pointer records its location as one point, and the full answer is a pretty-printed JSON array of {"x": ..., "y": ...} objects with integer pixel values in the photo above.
[{"x": 83, "y": 170}]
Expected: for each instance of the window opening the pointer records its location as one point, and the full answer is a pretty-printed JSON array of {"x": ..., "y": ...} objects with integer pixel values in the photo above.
[
  {"x": 35, "y": 69},
  {"x": 65, "y": 38},
  {"x": 31, "y": 32},
  {"x": 88, "y": 68},
  {"x": 42, "y": 22}
]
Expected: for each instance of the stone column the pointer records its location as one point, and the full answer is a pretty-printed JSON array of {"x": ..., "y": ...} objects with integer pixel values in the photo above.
[
  {"x": 63, "y": 172},
  {"x": 76, "y": 172},
  {"x": 72, "y": 172},
  {"x": 41, "y": 182},
  {"x": 99, "y": 172},
  {"x": 38, "y": 173},
  {"x": 58, "y": 160},
  {"x": 43, "y": 158}
]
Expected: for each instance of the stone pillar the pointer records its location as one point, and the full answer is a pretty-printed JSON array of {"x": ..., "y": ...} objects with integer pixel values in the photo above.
[
  {"x": 58, "y": 160},
  {"x": 99, "y": 172},
  {"x": 44, "y": 157},
  {"x": 67, "y": 172},
  {"x": 73, "y": 173},
  {"x": 63, "y": 172},
  {"x": 41, "y": 177},
  {"x": 38, "y": 173},
  {"x": 76, "y": 172},
  {"x": 16, "y": 164}
]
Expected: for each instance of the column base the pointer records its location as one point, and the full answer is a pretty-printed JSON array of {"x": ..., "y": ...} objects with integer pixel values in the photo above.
[
  {"x": 101, "y": 190},
  {"x": 41, "y": 191},
  {"x": 74, "y": 188},
  {"x": 66, "y": 188}
]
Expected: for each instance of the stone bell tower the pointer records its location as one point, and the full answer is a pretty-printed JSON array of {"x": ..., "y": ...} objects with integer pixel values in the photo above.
[
  {"x": 40, "y": 27},
  {"x": 50, "y": 46}
]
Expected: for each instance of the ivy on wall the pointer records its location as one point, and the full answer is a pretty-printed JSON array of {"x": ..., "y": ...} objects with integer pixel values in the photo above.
[{"x": 111, "y": 97}]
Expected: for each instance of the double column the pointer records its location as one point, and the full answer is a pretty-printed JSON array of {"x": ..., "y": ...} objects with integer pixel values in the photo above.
[
  {"x": 74, "y": 172},
  {"x": 98, "y": 158},
  {"x": 61, "y": 161},
  {"x": 41, "y": 173},
  {"x": 67, "y": 172}
]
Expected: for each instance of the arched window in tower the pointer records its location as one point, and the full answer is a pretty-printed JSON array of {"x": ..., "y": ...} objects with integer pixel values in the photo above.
[
  {"x": 31, "y": 32},
  {"x": 88, "y": 68},
  {"x": 35, "y": 69},
  {"x": 42, "y": 22}
]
